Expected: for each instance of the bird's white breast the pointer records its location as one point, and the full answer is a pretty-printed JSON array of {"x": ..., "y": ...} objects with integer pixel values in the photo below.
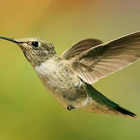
[
  {"x": 46, "y": 68},
  {"x": 62, "y": 83}
]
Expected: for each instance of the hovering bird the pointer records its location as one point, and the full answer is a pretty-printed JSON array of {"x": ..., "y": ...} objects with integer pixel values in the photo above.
[{"x": 69, "y": 77}]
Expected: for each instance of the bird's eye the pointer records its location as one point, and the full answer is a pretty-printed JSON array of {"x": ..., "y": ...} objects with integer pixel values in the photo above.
[{"x": 35, "y": 44}]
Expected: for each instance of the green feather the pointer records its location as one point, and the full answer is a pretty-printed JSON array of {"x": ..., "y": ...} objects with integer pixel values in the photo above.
[{"x": 102, "y": 100}]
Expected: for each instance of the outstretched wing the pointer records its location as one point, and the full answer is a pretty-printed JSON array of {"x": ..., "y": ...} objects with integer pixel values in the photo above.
[
  {"x": 102, "y": 60},
  {"x": 80, "y": 47}
]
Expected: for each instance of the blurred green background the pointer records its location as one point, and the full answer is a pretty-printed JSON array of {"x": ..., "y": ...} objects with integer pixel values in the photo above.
[{"x": 27, "y": 110}]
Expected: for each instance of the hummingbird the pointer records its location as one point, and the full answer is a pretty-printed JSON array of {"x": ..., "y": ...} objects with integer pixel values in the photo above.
[{"x": 69, "y": 77}]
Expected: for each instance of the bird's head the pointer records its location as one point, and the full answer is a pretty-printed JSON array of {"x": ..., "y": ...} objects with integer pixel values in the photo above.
[{"x": 36, "y": 50}]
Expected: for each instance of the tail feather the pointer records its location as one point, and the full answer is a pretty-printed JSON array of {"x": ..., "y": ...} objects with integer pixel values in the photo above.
[
  {"x": 102, "y": 104},
  {"x": 125, "y": 111}
]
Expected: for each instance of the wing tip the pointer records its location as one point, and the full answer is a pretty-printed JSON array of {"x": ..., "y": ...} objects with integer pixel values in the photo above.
[{"x": 126, "y": 112}]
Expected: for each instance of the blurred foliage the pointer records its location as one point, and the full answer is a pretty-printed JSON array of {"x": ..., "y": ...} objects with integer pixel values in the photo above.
[{"x": 27, "y": 110}]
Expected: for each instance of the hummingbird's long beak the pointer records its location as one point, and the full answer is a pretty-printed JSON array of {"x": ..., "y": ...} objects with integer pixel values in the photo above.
[{"x": 10, "y": 39}]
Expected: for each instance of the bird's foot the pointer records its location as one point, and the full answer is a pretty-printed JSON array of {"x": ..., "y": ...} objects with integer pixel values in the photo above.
[{"x": 70, "y": 107}]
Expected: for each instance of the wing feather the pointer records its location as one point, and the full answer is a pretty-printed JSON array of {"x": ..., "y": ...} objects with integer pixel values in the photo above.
[
  {"x": 80, "y": 47},
  {"x": 99, "y": 61}
]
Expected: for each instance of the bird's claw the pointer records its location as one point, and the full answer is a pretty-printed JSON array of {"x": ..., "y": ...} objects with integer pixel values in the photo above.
[{"x": 70, "y": 107}]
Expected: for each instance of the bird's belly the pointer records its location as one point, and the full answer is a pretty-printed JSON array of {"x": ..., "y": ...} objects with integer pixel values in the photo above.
[
  {"x": 66, "y": 87},
  {"x": 66, "y": 91}
]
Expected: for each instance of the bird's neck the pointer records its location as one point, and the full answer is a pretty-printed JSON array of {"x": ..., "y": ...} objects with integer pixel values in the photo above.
[{"x": 39, "y": 60}]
